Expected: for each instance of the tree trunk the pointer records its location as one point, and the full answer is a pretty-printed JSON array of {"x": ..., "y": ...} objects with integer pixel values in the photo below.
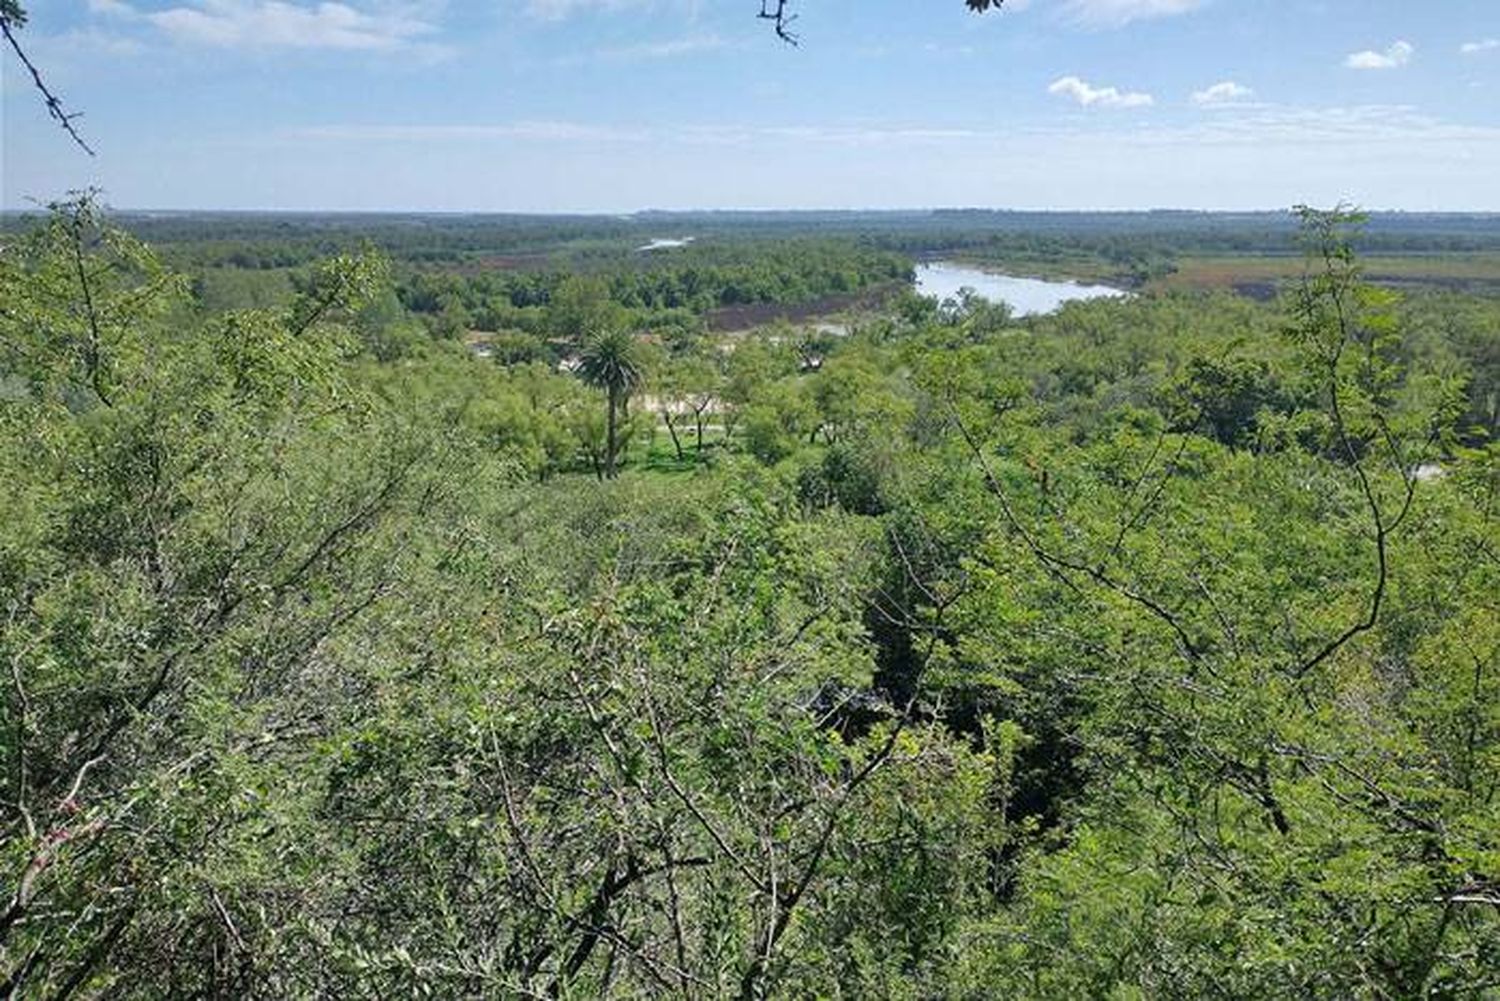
[
  {"x": 609, "y": 435},
  {"x": 666, "y": 416}
]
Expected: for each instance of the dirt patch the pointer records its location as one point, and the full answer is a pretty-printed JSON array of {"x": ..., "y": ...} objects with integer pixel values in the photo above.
[
  {"x": 760, "y": 314},
  {"x": 1259, "y": 291}
]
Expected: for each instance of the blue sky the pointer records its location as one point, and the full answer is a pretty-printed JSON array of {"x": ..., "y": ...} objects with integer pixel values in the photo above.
[{"x": 618, "y": 105}]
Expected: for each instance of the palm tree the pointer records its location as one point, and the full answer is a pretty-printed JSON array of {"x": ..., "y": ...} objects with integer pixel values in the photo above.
[{"x": 611, "y": 360}]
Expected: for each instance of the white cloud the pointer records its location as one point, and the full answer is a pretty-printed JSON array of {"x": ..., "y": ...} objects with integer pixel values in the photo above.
[
  {"x": 540, "y": 131},
  {"x": 1227, "y": 92},
  {"x": 837, "y": 135},
  {"x": 279, "y": 24},
  {"x": 558, "y": 132},
  {"x": 1251, "y": 127},
  {"x": 1398, "y": 55},
  {"x": 1115, "y": 13},
  {"x": 1088, "y": 13},
  {"x": 668, "y": 48},
  {"x": 1358, "y": 125},
  {"x": 665, "y": 49},
  {"x": 556, "y": 10},
  {"x": 1484, "y": 45},
  {"x": 1102, "y": 97},
  {"x": 112, "y": 8},
  {"x": 63, "y": 51}
]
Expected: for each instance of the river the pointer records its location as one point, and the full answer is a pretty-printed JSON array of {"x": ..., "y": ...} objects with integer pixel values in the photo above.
[{"x": 1025, "y": 296}]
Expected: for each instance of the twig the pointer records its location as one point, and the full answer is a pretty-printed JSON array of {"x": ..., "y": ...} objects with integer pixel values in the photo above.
[
  {"x": 54, "y": 103},
  {"x": 776, "y": 12}
]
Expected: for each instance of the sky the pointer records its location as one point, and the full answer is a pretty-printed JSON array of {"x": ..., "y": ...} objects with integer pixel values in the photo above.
[{"x": 624, "y": 105}]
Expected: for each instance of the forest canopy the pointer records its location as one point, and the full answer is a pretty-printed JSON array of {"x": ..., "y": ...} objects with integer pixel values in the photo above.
[{"x": 1145, "y": 649}]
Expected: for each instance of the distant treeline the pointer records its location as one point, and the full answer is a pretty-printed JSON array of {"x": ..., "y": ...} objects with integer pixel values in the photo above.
[{"x": 1129, "y": 240}]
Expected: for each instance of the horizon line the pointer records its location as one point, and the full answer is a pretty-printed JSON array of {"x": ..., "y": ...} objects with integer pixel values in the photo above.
[{"x": 631, "y": 214}]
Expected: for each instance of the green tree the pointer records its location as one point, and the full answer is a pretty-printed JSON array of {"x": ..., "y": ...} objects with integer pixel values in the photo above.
[
  {"x": 612, "y": 361},
  {"x": 580, "y": 308},
  {"x": 686, "y": 384},
  {"x": 195, "y": 519}
]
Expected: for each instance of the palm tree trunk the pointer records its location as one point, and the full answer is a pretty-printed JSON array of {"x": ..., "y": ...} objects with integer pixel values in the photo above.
[{"x": 609, "y": 440}]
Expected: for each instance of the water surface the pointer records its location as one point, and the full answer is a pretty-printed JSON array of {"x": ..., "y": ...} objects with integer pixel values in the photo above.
[
  {"x": 1025, "y": 296},
  {"x": 665, "y": 243}
]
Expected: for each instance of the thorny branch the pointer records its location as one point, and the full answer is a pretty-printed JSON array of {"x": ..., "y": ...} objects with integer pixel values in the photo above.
[{"x": 12, "y": 17}]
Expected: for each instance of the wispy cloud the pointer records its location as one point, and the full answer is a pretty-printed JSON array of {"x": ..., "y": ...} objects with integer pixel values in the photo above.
[
  {"x": 1117, "y": 13},
  {"x": 669, "y": 48},
  {"x": 1394, "y": 57},
  {"x": 665, "y": 49},
  {"x": 539, "y": 131},
  {"x": 1247, "y": 125},
  {"x": 557, "y": 10},
  {"x": 112, "y": 8},
  {"x": 1483, "y": 45},
  {"x": 864, "y": 135},
  {"x": 1098, "y": 97},
  {"x": 67, "y": 50},
  {"x": 270, "y": 24},
  {"x": 588, "y": 132},
  {"x": 1356, "y": 126},
  {"x": 1227, "y": 92},
  {"x": 1100, "y": 14}
]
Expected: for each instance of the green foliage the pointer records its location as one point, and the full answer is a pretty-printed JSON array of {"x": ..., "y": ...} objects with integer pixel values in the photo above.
[{"x": 1148, "y": 649}]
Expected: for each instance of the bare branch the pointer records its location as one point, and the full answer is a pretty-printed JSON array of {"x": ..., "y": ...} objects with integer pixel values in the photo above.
[
  {"x": 776, "y": 12},
  {"x": 11, "y": 19}
]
